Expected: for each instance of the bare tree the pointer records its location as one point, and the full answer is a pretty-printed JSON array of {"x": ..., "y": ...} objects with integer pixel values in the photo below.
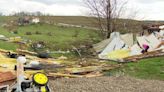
[{"x": 107, "y": 12}]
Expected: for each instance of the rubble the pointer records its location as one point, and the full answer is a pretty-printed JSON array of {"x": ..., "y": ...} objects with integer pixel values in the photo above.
[
  {"x": 60, "y": 67},
  {"x": 122, "y": 47},
  {"x": 152, "y": 54}
]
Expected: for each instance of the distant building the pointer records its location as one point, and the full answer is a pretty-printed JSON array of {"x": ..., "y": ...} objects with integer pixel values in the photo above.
[
  {"x": 27, "y": 20},
  {"x": 23, "y": 20},
  {"x": 35, "y": 20}
]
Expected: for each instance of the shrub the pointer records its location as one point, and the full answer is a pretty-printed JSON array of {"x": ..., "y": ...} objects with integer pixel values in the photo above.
[
  {"x": 28, "y": 33},
  {"x": 76, "y": 33},
  {"x": 49, "y": 34},
  {"x": 15, "y": 32},
  {"x": 38, "y": 33}
]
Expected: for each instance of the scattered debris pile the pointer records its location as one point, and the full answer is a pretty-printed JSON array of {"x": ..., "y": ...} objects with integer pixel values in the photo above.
[
  {"x": 53, "y": 68},
  {"x": 126, "y": 48}
]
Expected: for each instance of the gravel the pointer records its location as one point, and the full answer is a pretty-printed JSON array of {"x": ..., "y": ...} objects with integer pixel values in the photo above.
[{"x": 106, "y": 84}]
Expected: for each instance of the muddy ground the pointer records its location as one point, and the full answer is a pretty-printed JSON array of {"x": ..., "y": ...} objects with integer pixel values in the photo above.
[{"x": 106, "y": 84}]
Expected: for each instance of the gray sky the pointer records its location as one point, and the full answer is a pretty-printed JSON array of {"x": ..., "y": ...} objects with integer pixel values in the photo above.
[{"x": 147, "y": 9}]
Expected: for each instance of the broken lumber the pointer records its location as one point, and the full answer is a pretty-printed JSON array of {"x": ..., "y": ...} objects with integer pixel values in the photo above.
[
  {"x": 90, "y": 75},
  {"x": 89, "y": 69},
  {"x": 6, "y": 76},
  {"x": 63, "y": 75},
  {"x": 157, "y": 53},
  {"x": 26, "y": 52}
]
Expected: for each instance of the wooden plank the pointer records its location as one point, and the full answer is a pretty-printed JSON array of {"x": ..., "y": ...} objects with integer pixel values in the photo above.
[
  {"x": 89, "y": 69},
  {"x": 6, "y": 76},
  {"x": 143, "y": 56},
  {"x": 26, "y": 52},
  {"x": 63, "y": 75}
]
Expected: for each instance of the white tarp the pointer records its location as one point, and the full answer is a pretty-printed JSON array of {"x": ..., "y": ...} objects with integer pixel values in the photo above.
[
  {"x": 116, "y": 44},
  {"x": 114, "y": 34},
  {"x": 128, "y": 39},
  {"x": 161, "y": 27},
  {"x": 161, "y": 33},
  {"x": 150, "y": 40},
  {"x": 99, "y": 47},
  {"x": 135, "y": 50}
]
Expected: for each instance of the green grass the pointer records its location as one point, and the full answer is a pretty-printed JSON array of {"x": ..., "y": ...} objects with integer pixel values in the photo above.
[
  {"x": 61, "y": 37},
  {"x": 152, "y": 68},
  {"x": 6, "y": 33},
  {"x": 8, "y": 46},
  {"x": 148, "y": 68},
  {"x": 122, "y": 25},
  {"x": 4, "y": 19}
]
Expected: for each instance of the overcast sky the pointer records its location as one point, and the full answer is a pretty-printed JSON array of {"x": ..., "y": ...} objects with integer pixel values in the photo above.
[{"x": 147, "y": 9}]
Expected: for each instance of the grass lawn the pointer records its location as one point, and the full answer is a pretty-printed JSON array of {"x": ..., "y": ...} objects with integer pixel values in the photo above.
[
  {"x": 4, "y": 19},
  {"x": 55, "y": 37},
  {"x": 61, "y": 38},
  {"x": 152, "y": 68},
  {"x": 8, "y": 46}
]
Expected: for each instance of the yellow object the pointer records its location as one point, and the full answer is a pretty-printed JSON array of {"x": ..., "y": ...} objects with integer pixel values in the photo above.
[
  {"x": 15, "y": 39},
  {"x": 31, "y": 72},
  {"x": 40, "y": 78},
  {"x": 119, "y": 54},
  {"x": 7, "y": 63},
  {"x": 43, "y": 89}
]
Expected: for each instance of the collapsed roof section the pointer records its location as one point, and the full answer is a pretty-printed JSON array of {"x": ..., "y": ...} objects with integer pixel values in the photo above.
[{"x": 122, "y": 46}]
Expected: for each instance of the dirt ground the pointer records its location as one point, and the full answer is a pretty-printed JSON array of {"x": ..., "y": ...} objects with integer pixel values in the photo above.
[{"x": 106, "y": 84}]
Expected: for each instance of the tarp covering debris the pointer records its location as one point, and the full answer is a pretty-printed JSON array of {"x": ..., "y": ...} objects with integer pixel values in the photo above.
[
  {"x": 100, "y": 46},
  {"x": 150, "y": 40},
  {"x": 117, "y": 43},
  {"x": 127, "y": 38},
  {"x": 119, "y": 46},
  {"x": 118, "y": 54}
]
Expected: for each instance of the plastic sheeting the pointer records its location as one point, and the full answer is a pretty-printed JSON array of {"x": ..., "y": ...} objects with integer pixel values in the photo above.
[
  {"x": 161, "y": 27},
  {"x": 135, "y": 50},
  {"x": 127, "y": 38},
  {"x": 100, "y": 46},
  {"x": 116, "y": 44},
  {"x": 161, "y": 33},
  {"x": 150, "y": 40},
  {"x": 114, "y": 34},
  {"x": 119, "y": 54}
]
